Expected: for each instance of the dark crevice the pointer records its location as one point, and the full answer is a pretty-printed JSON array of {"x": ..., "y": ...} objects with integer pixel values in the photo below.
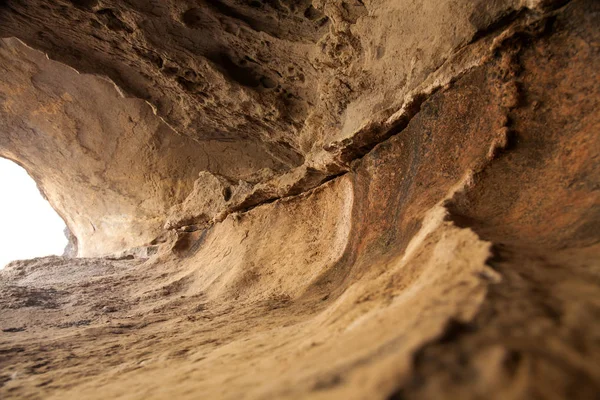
[
  {"x": 499, "y": 24},
  {"x": 245, "y": 76}
]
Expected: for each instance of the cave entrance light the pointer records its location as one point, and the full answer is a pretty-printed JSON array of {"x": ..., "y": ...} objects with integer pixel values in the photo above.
[{"x": 29, "y": 226}]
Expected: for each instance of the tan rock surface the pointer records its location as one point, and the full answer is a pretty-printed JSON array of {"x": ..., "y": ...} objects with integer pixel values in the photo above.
[{"x": 385, "y": 200}]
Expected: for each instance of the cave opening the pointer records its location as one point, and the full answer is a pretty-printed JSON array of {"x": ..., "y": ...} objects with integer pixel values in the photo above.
[{"x": 29, "y": 226}]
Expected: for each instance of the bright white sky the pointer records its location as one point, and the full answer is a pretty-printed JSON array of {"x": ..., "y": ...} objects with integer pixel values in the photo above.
[{"x": 29, "y": 227}]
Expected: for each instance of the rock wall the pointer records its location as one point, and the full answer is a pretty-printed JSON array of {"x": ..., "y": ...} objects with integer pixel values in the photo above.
[{"x": 354, "y": 199}]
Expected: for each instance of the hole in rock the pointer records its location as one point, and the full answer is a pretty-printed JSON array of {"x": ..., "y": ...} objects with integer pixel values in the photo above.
[
  {"x": 193, "y": 18},
  {"x": 29, "y": 226}
]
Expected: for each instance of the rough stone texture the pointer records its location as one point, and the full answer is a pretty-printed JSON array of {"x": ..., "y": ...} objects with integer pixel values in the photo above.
[
  {"x": 109, "y": 160},
  {"x": 281, "y": 94},
  {"x": 343, "y": 199}
]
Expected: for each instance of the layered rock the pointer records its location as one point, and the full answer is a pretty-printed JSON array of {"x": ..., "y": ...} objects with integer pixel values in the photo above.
[{"x": 357, "y": 199}]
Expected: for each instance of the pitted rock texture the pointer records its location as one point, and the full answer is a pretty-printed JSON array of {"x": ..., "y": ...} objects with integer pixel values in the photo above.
[
  {"x": 285, "y": 199},
  {"x": 280, "y": 94}
]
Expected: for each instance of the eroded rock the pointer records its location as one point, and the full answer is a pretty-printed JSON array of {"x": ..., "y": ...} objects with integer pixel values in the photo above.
[{"x": 294, "y": 199}]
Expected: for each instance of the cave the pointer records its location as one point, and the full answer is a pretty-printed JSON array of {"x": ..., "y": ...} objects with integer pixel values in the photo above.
[{"x": 296, "y": 199}]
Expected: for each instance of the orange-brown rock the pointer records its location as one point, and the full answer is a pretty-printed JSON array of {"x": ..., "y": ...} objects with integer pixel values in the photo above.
[{"x": 378, "y": 199}]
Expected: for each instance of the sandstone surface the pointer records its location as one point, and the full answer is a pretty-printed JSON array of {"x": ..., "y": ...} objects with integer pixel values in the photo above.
[{"x": 376, "y": 199}]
